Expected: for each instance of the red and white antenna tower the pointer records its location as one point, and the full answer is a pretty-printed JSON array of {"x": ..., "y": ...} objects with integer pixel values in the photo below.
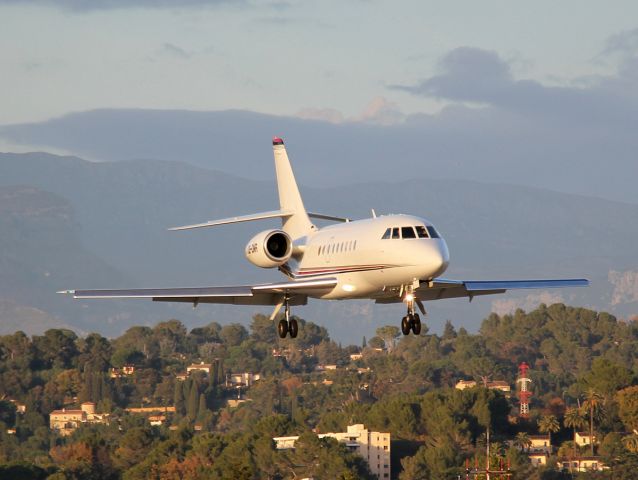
[{"x": 524, "y": 394}]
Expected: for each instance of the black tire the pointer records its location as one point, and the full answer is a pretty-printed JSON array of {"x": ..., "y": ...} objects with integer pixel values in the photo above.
[
  {"x": 416, "y": 324},
  {"x": 282, "y": 328},
  {"x": 405, "y": 325},
  {"x": 293, "y": 328}
]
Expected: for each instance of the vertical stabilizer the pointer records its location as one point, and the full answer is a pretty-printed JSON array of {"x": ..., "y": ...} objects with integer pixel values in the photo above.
[{"x": 298, "y": 224}]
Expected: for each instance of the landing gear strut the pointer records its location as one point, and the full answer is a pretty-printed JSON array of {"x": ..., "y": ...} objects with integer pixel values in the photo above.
[
  {"x": 411, "y": 321},
  {"x": 287, "y": 325}
]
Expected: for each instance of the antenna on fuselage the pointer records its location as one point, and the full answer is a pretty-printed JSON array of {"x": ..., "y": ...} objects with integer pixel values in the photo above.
[{"x": 374, "y": 214}]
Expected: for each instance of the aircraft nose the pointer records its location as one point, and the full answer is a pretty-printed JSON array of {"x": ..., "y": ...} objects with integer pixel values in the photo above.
[{"x": 443, "y": 257}]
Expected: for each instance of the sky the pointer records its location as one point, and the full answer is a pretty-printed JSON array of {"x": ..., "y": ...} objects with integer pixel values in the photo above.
[{"x": 352, "y": 60}]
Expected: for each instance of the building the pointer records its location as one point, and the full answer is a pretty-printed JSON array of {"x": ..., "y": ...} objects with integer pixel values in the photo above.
[
  {"x": 356, "y": 356},
  {"x": 245, "y": 379},
  {"x": 374, "y": 447},
  {"x": 540, "y": 444},
  {"x": 538, "y": 459},
  {"x": 20, "y": 407},
  {"x": 157, "y": 420},
  {"x": 125, "y": 370},
  {"x": 150, "y": 410},
  {"x": 495, "y": 385},
  {"x": 65, "y": 421},
  {"x": 582, "y": 464},
  {"x": 583, "y": 439},
  {"x": 200, "y": 367}
]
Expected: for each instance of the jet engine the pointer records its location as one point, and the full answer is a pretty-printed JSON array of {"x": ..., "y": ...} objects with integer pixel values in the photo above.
[{"x": 269, "y": 249}]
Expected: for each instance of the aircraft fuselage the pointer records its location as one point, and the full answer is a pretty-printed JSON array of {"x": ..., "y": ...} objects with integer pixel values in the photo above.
[{"x": 365, "y": 258}]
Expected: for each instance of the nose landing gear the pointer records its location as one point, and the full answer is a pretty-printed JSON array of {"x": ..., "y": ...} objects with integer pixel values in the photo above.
[
  {"x": 411, "y": 321},
  {"x": 287, "y": 325}
]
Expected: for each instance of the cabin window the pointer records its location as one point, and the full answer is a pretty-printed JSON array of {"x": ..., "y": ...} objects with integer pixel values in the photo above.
[
  {"x": 421, "y": 231},
  {"x": 395, "y": 233},
  {"x": 433, "y": 232},
  {"x": 354, "y": 247},
  {"x": 407, "y": 232},
  {"x": 387, "y": 234}
]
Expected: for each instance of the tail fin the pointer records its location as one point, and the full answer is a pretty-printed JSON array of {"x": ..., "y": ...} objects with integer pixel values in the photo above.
[{"x": 298, "y": 224}]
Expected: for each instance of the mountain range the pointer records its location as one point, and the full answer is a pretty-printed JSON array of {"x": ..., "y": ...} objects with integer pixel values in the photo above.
[{"x": 70, "y": 223}]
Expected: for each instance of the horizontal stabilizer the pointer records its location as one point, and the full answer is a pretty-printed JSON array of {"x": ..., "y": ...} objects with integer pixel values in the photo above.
[{"x": 243, "y": 218}]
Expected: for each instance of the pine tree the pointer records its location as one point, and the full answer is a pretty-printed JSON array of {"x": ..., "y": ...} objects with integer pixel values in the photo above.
[
  {"x": 202, "y": 408},
  {"x": 193, "y": 401},
  {"x": 178, "y": 399},
  {"x": 364, "y": 344}
]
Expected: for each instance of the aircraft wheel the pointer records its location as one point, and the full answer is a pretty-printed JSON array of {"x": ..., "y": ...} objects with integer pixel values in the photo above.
[
  {"x": 293, "y": 328},
  {"x": 405, "y": 325},
  {"x": 282, "y": 328},
  {"x": 416, "y": 324}
]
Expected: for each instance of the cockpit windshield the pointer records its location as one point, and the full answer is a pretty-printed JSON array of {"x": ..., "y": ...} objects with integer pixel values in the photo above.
[
  {"x": 418, "y": 231},
  {"x": 433, "y": 232},
  {"x": 421, "y": 231}
]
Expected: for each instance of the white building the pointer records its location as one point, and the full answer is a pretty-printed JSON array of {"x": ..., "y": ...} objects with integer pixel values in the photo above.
[
  {"x": 245, "y": 379},
  {"x": 374, "y": 447},
  {"x": 540, "y": 444},
  {"x": 583, "y": 464},
  {"x": 200, "y": 367},
  {"x": 583, "y": 439}
]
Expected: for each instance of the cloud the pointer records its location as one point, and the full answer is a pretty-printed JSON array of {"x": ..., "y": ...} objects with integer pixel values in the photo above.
[
  {"x": 477, "y": 76},
  {"x": 94, "y": 5},
  {"x": 624, "y": 43},
  {"x": 329, "y": 115},
  {"x": 379, "y": 111},
  {"x": 174, "y": 51}
]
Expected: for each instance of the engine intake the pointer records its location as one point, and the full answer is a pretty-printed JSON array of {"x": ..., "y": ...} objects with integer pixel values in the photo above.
[{"x": 269, "y": 249}]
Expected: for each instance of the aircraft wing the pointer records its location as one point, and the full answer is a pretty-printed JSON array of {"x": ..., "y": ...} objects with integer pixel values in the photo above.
[
  {"x": 260, "y": 294},
  {"x": 441, "y": 288}
]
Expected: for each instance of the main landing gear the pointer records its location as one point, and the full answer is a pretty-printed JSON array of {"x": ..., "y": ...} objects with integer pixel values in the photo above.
[
  {"x": 411, "y": 321},
  {"x": 287, "y": 325}
]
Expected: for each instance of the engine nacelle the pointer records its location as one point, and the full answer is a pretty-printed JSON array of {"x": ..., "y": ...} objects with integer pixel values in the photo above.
[{"x": 269, "y": 249}]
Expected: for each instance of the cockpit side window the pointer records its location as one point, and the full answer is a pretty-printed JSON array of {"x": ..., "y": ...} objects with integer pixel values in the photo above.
[
  {"x": 387, "y": 234},
  {"x": 433, "y": 232},
  {"x": 421, "y": 231},
  {"x": 395, "y": 233},
  {"x": 407, "y": 232}
]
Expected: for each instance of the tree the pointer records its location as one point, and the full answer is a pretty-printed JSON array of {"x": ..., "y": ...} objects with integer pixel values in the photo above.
[
  {"x": 522, "y": 441},
  {"x": 193, "y": 401},
  {"x": 594, "y": 406},
  {"x": 548, "y": 424},
  {"x": 628, "y": 407},
  {"x": 389, "y": 334},
  {"x": 233, "y": 335},
  {"x": 178, "y": 399},
  {"x": 575, "y": 418},
  {"x": 263, "y": 329}
]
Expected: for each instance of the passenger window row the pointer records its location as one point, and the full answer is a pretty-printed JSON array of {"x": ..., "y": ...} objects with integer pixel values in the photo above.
[
  {"x": 337, "y": 248},
  {"x": 419, "y": 231}
]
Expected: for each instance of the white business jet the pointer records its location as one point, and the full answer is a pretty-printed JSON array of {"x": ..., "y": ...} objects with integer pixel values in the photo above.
[{"x": 388, "y": 259}]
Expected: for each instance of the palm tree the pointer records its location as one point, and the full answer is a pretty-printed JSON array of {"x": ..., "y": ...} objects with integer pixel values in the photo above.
[
  {"x": 594, "y": 405},
  {"x": 522, "y": 441},
  {"x": 548, "y": 424},
  {"x": 575, "y": 418}
]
